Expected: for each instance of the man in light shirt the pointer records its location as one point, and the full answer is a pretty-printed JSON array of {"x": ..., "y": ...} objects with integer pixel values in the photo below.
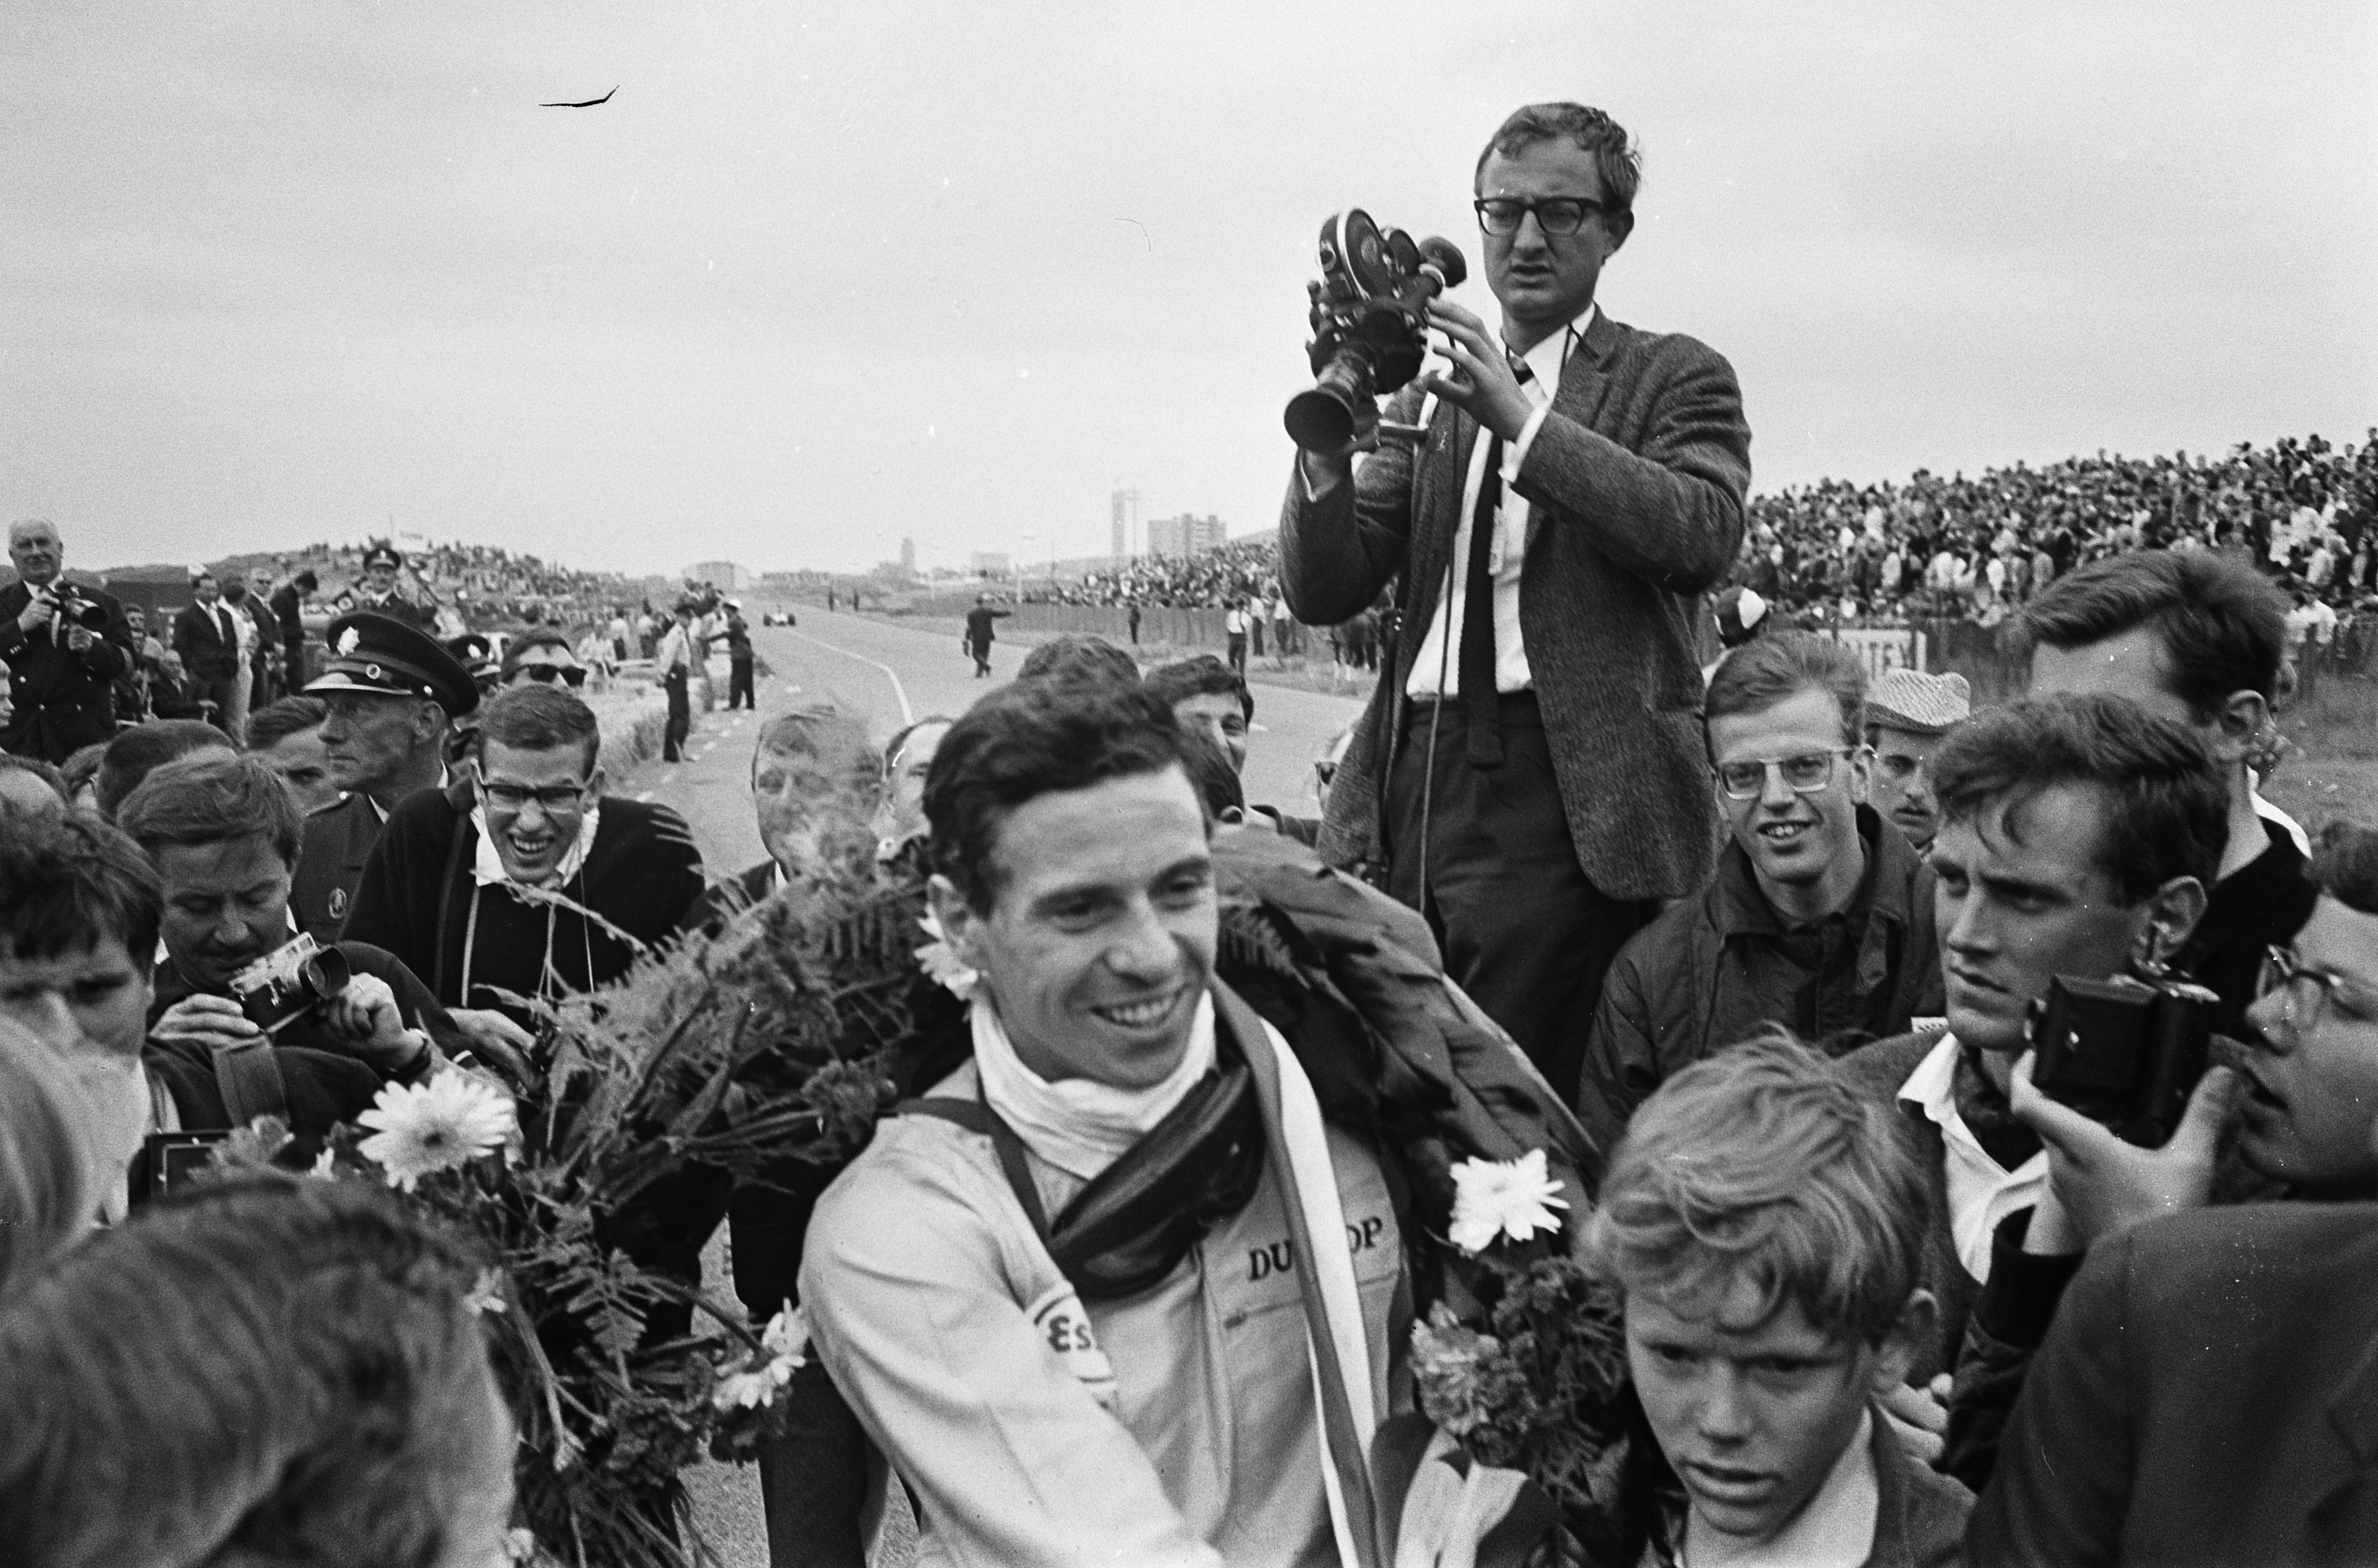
[
  {"x": 1530, "y": 773},
  {"x": 674, "y": 660},
  {"x": 2078, "y": 837}
]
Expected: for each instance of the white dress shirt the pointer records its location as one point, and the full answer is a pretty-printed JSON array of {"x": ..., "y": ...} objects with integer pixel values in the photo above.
[
  {"x": 1439, "y": 652},
  {"x": 1981, "y": 1191}
]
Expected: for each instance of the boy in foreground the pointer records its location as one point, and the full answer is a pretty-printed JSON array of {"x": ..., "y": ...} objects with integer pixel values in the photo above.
[{"x": 1765, "y": 1225}]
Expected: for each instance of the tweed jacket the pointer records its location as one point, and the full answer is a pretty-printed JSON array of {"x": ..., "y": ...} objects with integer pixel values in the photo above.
[
  {"x": 1635, "y": 487},
  {"x": 2208, "y": 1394},
  {"x": 1880, "y": 1070}
]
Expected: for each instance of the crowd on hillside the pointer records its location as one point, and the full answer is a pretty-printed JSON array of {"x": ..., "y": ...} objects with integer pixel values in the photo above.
[
  {"x": 1842, "y": 554},
  {"x": 2300, "y": 511}
]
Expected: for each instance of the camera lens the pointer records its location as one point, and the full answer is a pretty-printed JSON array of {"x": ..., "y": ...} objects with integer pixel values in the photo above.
[{"x": 1326, "y": 418}]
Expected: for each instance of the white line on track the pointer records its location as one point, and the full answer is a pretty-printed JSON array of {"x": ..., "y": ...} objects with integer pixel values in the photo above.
[{"x": 908, "y": 715}]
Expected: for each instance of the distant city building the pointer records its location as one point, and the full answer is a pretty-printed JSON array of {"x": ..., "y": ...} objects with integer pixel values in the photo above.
[
  {"x": 723, "y": 574},
  {"x": 1185, "y": 536},
  {"x": 1126, "y": 524},
  {"x": 989, "y": 563},
  {"x": 908, "y": 558}
]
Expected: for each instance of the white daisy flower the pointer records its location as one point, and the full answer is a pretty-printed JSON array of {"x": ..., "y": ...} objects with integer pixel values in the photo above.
[
  {"x": 448, "y": 1122},
  {"x": 1492, "y": 1199},
  {"x": 939, "y": 960},
  {"x": 787, "y": 1334}
]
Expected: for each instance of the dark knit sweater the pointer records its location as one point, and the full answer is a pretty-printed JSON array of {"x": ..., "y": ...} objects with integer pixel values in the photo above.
[{"x": 417, "y": 900}]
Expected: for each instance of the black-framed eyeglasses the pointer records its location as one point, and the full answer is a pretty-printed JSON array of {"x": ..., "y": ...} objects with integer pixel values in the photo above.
[
  {"x": 516, "y": 797},
  {"x": 2282, "y": 971},
  {"x": 1805, "y": 773},
  {"x": 569, "y": 675},
  {"x": 1554, "y": 214}
]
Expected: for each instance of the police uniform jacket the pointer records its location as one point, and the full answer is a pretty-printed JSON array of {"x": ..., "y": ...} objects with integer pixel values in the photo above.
[
  {"x": 63, "y": 701},
  {"x": 339, "y": 838},
  {"x": 1177, "y": 1426}
]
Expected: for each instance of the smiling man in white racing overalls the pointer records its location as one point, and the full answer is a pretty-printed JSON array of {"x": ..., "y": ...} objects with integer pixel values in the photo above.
[{"x": 1113, "y": 1292}]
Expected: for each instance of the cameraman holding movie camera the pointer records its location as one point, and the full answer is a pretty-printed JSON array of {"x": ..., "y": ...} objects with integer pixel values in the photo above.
[
  {"x": 1529, "y": 771},
  {"x": 64, "y": 645}
]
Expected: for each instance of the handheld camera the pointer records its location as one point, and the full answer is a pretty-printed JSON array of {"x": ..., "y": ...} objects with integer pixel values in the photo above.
[
  {"x": 1370, "y": 325},
  {"x": 290, "y": 983},
  {"x": 2125, "y": 1053}
]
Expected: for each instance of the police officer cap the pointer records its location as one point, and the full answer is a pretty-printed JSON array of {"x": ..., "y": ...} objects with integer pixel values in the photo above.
[
  {"x": 383, "y": 555},
  {"x": 380, "y": 653}
]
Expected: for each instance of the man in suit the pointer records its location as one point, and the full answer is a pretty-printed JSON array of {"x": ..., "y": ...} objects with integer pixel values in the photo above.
[
  {"x": 288, "y": 603},
  {"x": 389, "y": 693},
  {"x": 1530, "y": 770},
  {"x": 207, "y": 637},
  {"x": 61, "y": 672}
]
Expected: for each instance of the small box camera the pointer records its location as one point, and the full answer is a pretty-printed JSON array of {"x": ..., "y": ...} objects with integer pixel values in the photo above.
[
  {"x": 174, "y": 1158},
  {"x": 290, "y": 983},
  {"x": 2123, "y": 1052}
]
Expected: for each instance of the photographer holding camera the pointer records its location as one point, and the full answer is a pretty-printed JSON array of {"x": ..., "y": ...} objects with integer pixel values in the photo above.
[
  {"x": 64, "y": 645},
  {"x": 1530, "y": 770},
  {"x": 224, "y": 834}
]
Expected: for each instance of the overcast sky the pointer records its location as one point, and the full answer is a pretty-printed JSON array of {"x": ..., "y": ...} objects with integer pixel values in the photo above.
[{"x": 820, "y": 276}]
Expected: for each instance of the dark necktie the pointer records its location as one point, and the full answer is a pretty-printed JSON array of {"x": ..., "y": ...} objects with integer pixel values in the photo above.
[{"x": 1477, "y": 666}]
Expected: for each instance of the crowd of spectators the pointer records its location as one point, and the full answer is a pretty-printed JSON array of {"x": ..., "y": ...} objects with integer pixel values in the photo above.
[
  {"x": 1210, "y": 580},
  {"x": 1884, "y": 554},
  {"x": 1842, "y": 553}
]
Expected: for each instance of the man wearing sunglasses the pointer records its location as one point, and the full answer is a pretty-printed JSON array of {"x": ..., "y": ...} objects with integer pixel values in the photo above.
[
  {"x": 1529, "y": 773},
  {"x": 1820, "y": 916},
  {"x": 389, "y": 693},
  {"x": 543, "y": 658},
  {"x": 2204, "y": 1390}
]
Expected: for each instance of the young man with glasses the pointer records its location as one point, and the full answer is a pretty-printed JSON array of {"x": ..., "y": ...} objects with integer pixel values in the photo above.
[
  {"x": 453, "y": 887},
  {"x": 1529, "y": 771},
  {"x": 1820, "y": 915},
  {"x": 389, "y": 693},
  {"x": 2204, "y": 1394}
]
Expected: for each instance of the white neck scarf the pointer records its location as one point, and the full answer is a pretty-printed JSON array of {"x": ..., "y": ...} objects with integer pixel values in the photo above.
[
  {"x": 487, "y": 862},
  {"x": 1077, "y": 1124}
]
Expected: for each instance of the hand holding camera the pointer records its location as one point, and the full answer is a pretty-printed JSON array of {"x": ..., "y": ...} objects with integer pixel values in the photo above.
[
  {"x": 2102, "y": 1184},
  {"x": 364, "y": 1017},
  {"x": 1369, "y": 328},
  {"x": 1479, "y": 379},
  {"x": 205, "y": 1022}
]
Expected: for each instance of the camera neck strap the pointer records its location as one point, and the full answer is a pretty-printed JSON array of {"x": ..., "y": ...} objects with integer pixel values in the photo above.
[{"x": 248, "y": 1077}]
